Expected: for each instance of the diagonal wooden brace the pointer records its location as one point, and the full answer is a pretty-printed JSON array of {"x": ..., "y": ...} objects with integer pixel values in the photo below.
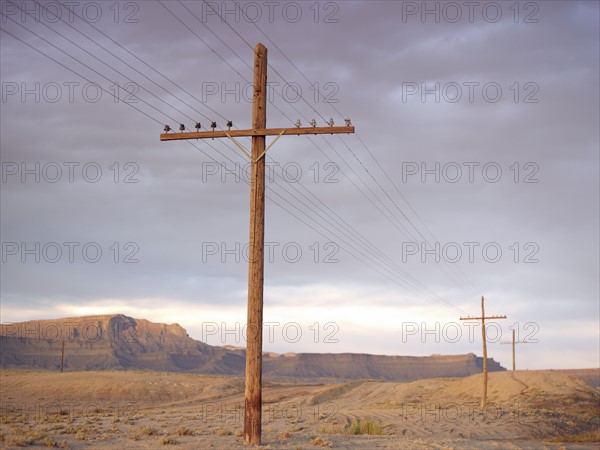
[
  {"x": 248, "y": 154},
  {"x": 239, "y": 146},
  {"x": 270, "y": 145}
]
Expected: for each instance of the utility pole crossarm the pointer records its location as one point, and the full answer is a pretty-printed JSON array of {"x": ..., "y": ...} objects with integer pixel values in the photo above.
[
  {"x": 259, "y": 132},
  {"x": 486, "y": 317}
]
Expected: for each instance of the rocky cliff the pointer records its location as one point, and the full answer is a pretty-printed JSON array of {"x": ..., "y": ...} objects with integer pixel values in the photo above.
[
  {"x": 381, "y": 367},
  {"x": 119, "y": 342}
]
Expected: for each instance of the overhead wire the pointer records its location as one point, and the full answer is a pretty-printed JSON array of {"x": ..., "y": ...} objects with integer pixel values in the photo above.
[
  {"x": 212, "y": 49},
  {"x": 399, "y": 225},
  {"x": 202, "y": 40},
  {"x": 106, "y": 78},
  {"x": 469, "y": 282},
  {"x": 448, "y": 267}
]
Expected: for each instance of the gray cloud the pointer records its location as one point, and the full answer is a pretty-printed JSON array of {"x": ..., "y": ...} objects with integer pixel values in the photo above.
[{"x": 181, "y": 221}]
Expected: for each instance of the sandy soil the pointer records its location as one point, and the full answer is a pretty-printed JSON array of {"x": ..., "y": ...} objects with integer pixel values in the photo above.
[{"x": 147, "y": 410}]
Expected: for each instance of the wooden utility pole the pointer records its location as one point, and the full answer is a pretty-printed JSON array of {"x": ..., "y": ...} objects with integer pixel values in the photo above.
[
  {"x": 513, "y": 342},
  {"x": 483, "y": 338},
  {"x": 258, "y": 132},
  {"x": 513, "y": 351},
  {"x": 62, "y": 355},
  {"x": 253, "y": 387}
]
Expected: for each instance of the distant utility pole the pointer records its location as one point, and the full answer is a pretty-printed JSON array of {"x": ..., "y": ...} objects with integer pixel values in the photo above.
[
  {"x": 62, "y": 355},
  {"x": 514, "y": 365},
  {"x": 259, "y": 131},
  {"x": 483, "y": 338}
]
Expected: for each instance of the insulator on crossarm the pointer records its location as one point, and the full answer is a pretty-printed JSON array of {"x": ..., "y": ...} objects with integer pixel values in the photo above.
[
  {"x": 197, "y": 126},
  {"x": 229, "y": 124},
  {"x": 181, "y": 127},
  {"x": 329, "y": 122},
  {"x": 348, "y": 122},
  {"x": 298, "y": 123},
  {"x": 313, "y": 123},
  {"x": 167, "y": 128}
]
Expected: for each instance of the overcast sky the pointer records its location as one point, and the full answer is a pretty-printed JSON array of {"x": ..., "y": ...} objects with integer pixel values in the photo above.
[{"x": 473, "y": 171}]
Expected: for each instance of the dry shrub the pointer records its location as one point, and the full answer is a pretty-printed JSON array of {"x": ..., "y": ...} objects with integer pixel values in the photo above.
[
  {"x": 147, "y": 431},
  {"x": 18, "y": 441},
  {"x": 49, "y": 443},
  {"x": 366, "y": 427},
  {"x": 168, "y": 440},
  {"x": 184, "y": 431},
  {"x": 284, "y": 434},
  {"x": 321, "y": 442}
]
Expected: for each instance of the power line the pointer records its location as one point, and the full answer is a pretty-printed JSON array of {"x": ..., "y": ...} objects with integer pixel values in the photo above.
[
  {"x": 85, "y": 78},
  {"x": 124, "y": 62},
  {"x": 372, "y": 156},
  {"x": 145, "y": 63},
  {"x": 241, "y": 37},
  {"x": 99, "y": 60},
  {"x": 128, "y": 103},
  {"x": 250, "y": 47},
  {"x": 382, "y": 203}
]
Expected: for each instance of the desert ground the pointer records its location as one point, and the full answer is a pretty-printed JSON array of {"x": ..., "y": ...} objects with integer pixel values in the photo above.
[{"x": 149, "y": 410}]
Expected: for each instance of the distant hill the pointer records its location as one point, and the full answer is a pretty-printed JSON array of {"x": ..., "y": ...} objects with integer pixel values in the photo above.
[
  {"x": 119, "y": 342},
  {"x": 592, "y": 376}
]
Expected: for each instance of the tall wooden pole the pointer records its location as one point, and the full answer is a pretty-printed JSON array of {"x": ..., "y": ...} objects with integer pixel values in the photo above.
[
  {"x": 485, "y": 360},
  {"x": 513, "y": 350},
  {"x": 253, "y": 392},
  {"x": 62, "y": 356},
  {"x": 484, "y": 339},
  {"x": 514, "y": 342},
  {"x": 258, "y": 132}
]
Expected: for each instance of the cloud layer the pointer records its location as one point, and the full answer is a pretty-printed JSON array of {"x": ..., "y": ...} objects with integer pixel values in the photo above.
[{"x": 474, "y": 169}]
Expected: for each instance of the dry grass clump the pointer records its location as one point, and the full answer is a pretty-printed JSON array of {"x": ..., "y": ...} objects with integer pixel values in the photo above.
[
  {"x": 137, "y": 434},
  {"x": 69, "y": 429},
  {"x": 223, "y": 431},
  {"x": 24, "y": 436},
  {"x": 18, "y": 441},
  {"x": 49, "y": 442},
  {"x": 13, "y": 418},
  {"x": 284, "y": 434},
  {"x": 321, "y": 442},
  {"x": 147, "y": 431},
  {"x": 184, "y": 431},
  {"x": 365, "y": 427},
  {"x": 168, "y": 440}
]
